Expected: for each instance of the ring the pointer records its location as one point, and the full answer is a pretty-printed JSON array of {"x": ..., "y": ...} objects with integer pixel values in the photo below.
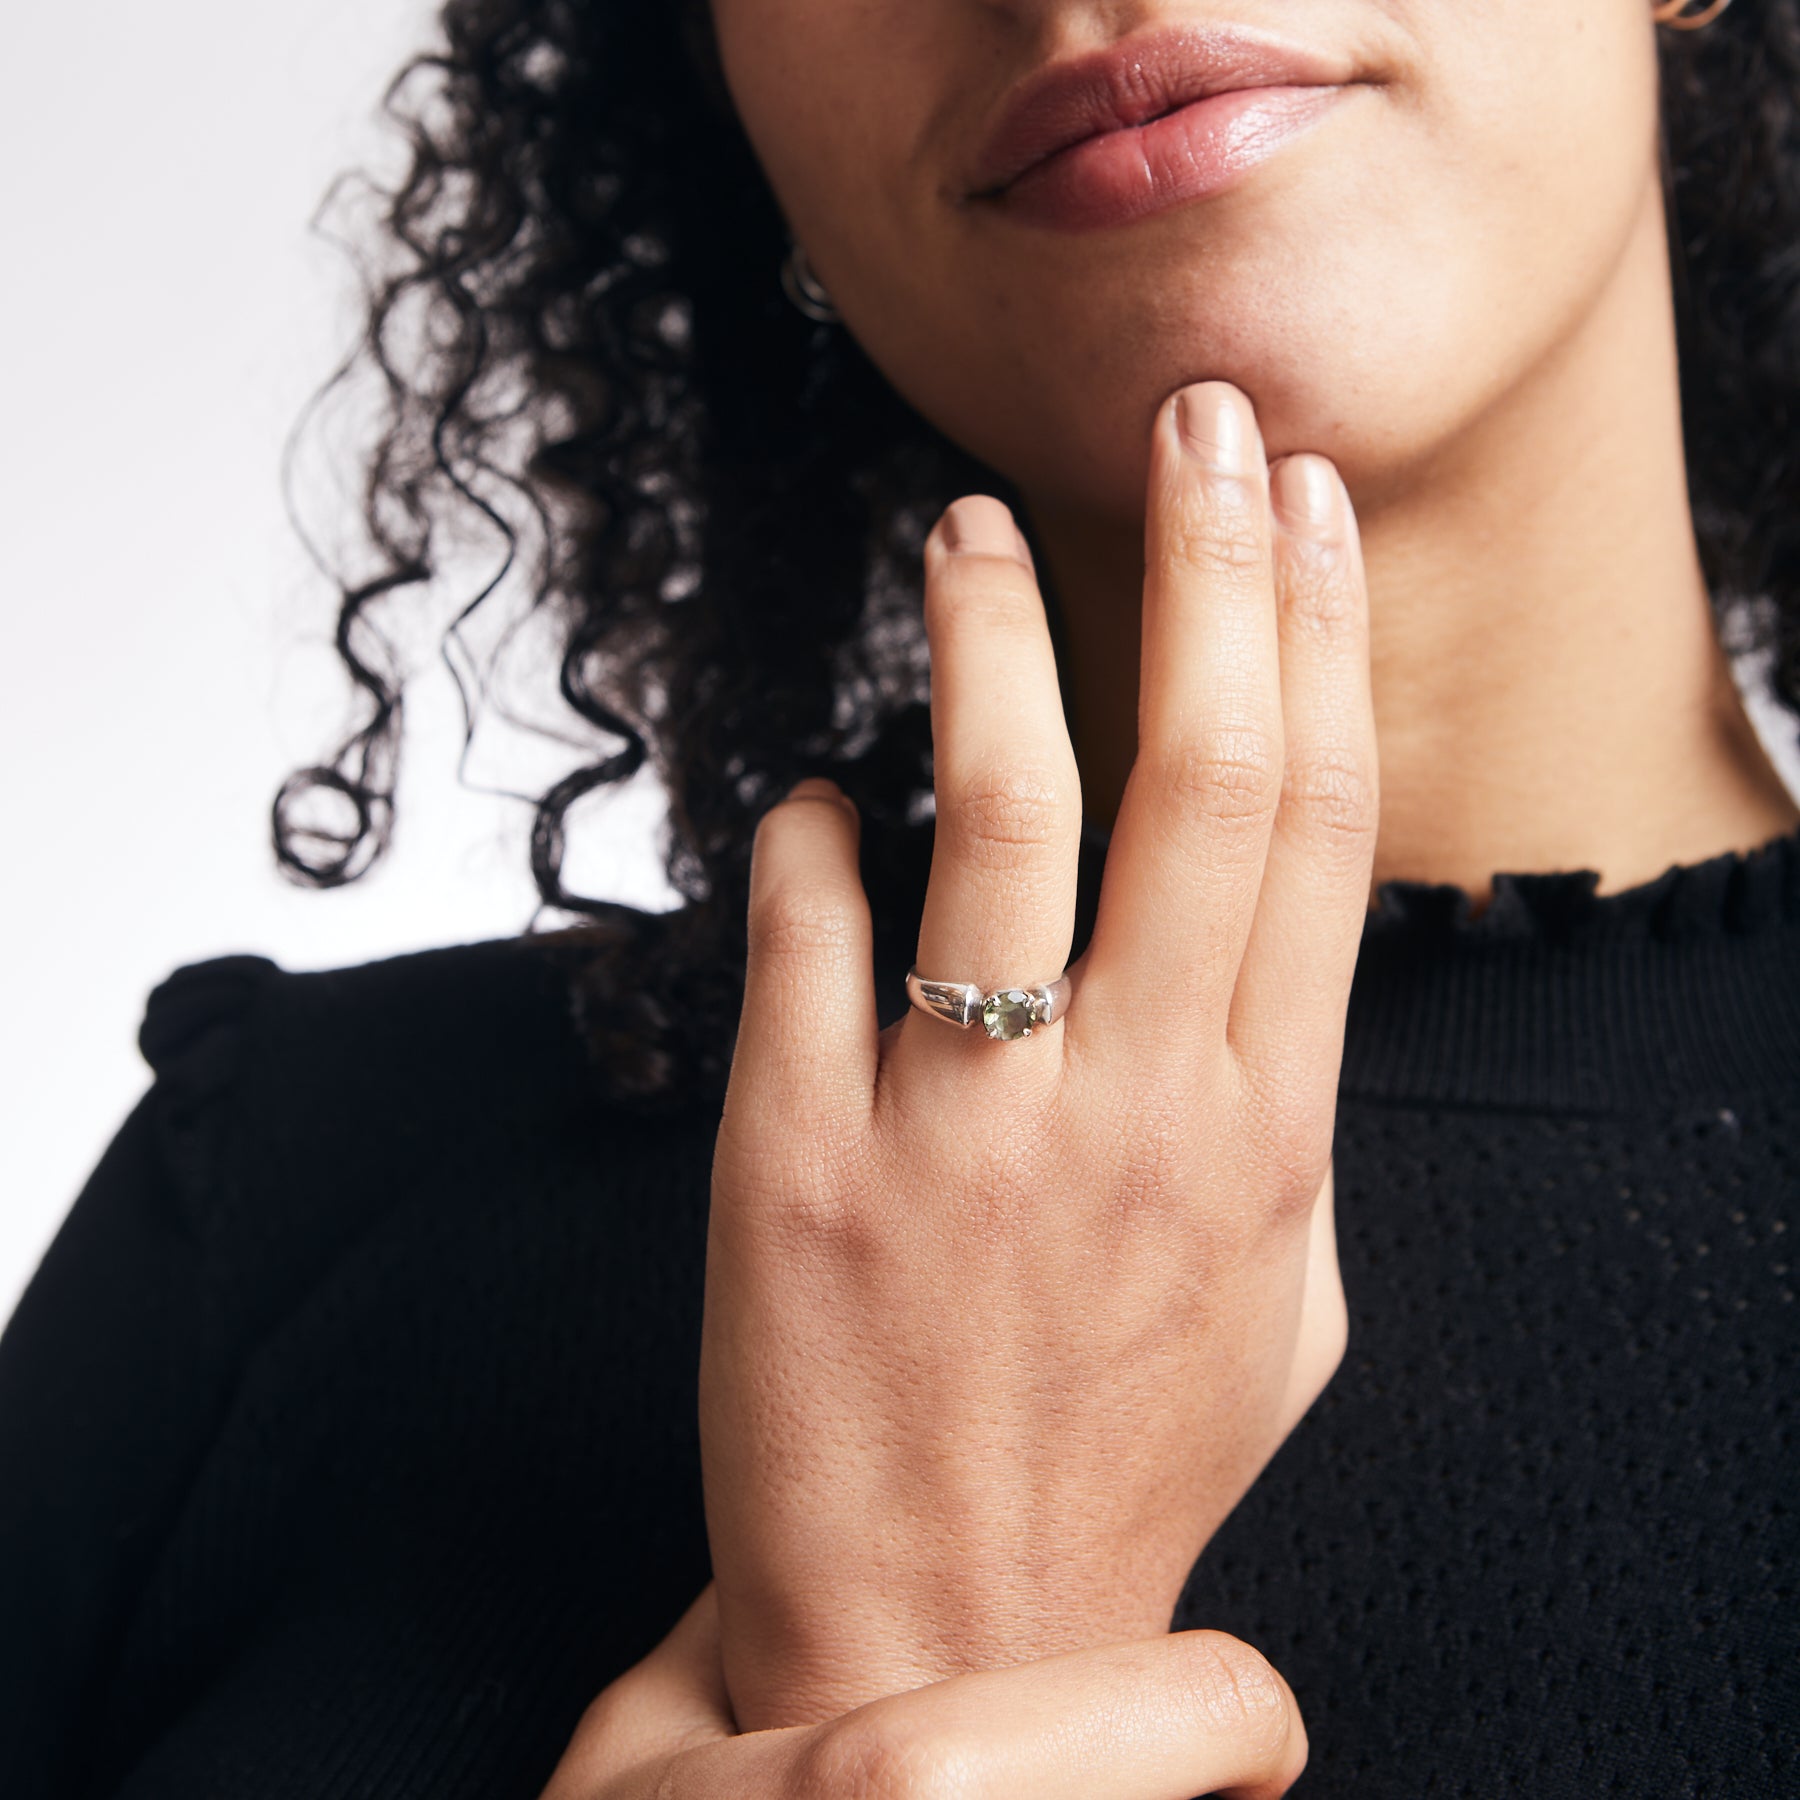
[{"x": 1006, "y": 1014}]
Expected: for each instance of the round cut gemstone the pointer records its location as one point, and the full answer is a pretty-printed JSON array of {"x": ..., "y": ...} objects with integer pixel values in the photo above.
[{"x": 1009, "y": 1014}]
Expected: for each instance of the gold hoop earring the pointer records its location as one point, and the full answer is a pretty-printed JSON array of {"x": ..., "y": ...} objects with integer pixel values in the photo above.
[
  {"x": 1674, "y": 12},
  {"x": 802, "y": 286}
]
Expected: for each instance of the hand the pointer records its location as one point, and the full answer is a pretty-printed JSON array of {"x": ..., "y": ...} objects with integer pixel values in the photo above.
[
  {"x": 996, "y": 1335},
  {"x": 1193, "y": 1713}
]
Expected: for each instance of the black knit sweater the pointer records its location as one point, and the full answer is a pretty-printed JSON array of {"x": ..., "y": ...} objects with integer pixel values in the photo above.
[{"x": 348, "y": 1440}]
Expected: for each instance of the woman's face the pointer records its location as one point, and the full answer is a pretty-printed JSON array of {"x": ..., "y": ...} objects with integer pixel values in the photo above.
[{"x": 1441, "y": 220}]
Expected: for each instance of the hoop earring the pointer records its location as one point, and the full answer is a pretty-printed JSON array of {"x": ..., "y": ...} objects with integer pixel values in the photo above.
[
  {"x": 1674, "y": 12},
  {"x": 808, "y": 293}
]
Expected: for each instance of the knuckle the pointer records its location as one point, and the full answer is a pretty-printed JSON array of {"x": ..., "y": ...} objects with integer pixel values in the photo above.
[
  {"x": 795, "y": 923},
  {"x": 1228, "y": 772},
  {"x": 1294, "y": 1190},
  {"x": 1221, "y": 531},
  {"x": 1145, "y": 1191},
  {"x": 607, "y": 1717},
  {"x": 801, "y": 1194},
  {"x": 986, "y": 593},
  {"x": 827, "y": 1222},
  {"x": 999, "y": 1218},
  {"x": 676, "y": 1781},
  {"x": 1333, "y": 794},
  {"x": 998, "y": 815},
  {"x": 1317, "y": 594},
  {"x": 791, "y": 1175},
  {"x": 695, "y": 1772},
  {"x": 868, "y": 1757},
  {"x": 1150, "y": 1156},
  {"x": 1292, "y": 1136},
  {"x": 1235, "y": 1687}
]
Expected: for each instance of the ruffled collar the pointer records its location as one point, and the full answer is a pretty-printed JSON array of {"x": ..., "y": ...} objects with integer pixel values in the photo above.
[
  {"x": 1683, "y": 991},
  {"x": 1733, "y": 893}
]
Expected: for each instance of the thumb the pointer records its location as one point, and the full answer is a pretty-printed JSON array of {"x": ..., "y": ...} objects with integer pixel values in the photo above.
[{"x": 673, "y": 1700}]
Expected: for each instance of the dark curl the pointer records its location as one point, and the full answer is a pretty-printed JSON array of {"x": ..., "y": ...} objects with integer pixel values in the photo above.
[{"x": 578, "y": 336}]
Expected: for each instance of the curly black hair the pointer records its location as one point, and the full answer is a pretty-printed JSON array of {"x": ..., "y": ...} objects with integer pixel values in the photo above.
[{"x": 577, "y": 333}]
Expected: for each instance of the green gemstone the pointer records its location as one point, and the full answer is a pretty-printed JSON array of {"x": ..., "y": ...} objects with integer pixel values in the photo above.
[{"x": 1008, "y": 1014}]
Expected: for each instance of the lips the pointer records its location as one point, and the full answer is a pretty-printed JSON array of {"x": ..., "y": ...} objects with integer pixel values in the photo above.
[{"x": 1129, "y": 84}]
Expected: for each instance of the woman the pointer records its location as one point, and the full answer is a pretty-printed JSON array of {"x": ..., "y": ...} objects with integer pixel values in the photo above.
[{"x": 1304, "y": 380}]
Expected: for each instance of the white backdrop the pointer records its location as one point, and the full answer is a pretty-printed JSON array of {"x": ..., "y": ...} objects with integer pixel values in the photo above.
[{"x": 164, "y": 316}]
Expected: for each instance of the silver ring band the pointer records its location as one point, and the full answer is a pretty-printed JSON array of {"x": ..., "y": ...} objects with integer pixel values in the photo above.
[{"x": 1005, "y": 1014}]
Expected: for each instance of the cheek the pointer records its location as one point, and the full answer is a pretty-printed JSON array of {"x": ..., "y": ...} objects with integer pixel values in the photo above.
[
  {"x": 833, "y": 96},
  {"x": 1373, "y": 288}
]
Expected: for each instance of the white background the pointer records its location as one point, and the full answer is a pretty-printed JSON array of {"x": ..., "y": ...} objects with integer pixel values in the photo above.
[{"x": 164, "y": 316}]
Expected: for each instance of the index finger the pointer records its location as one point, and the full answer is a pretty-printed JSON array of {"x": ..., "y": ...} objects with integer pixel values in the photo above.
[{"x": 1196, "y": 1712}]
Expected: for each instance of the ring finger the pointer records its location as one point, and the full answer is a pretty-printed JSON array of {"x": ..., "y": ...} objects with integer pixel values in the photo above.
[{"x": 1000, "y": 901}]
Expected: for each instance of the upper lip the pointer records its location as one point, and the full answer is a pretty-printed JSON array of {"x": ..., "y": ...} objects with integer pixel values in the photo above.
[{"x": 1130, "y": 82}]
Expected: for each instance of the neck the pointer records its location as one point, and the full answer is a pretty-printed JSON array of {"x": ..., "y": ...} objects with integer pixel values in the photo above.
[{"x": 1549, "y": 688}]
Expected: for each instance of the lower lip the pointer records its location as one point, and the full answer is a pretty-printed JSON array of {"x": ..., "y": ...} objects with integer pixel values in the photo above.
[{"x": 1201, "y": 149}]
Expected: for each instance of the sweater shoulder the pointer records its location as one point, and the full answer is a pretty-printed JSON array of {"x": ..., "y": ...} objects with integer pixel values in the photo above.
[
  {"x": 202, "y": 1016},
  {"x": 293, "y": 1104},
  {"x": 417, "y": 1014}
]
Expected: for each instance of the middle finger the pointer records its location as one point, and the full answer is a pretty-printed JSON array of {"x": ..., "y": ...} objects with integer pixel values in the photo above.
[{"x": 1186, "y": 859}]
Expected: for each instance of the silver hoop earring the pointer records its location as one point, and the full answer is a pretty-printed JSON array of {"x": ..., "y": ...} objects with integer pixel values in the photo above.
[
  {"x": 808, "y": 293},
  {"x": 1675, "y": 12}
]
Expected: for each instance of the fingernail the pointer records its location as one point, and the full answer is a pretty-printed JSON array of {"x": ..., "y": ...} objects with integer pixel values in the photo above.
[
  {"x": 1305, "y": 492},
  {"x": 817, "y": 787},
  {"x": 1216, "y": 426},
  {"x": 979, "y": 525}
]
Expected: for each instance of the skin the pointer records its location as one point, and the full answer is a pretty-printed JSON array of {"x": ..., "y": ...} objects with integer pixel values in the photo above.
[
  {"x": 995, "y": 1339},
  {"x": 953, "y": 1421},
  {"x": 1456, "y": 288},
  {"x": 1208, "y": 1715}
]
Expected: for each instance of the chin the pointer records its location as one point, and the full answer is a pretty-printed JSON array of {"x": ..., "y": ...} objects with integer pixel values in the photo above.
[
  {"x": 1368, "y": 352},
  {"x": 1085, "y": 442}
]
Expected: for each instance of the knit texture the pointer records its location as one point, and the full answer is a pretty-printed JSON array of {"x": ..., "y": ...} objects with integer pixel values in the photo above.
[{"x": 348, "y": 1441}]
